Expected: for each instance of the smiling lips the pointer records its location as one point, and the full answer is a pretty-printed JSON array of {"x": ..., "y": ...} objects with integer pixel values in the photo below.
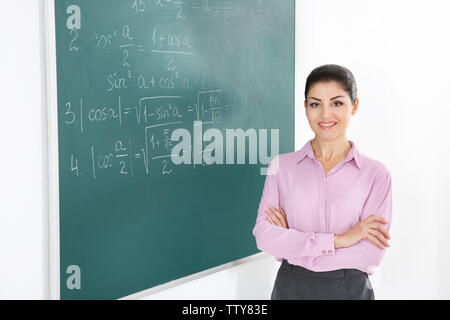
[{"x": 327, "y": 125}]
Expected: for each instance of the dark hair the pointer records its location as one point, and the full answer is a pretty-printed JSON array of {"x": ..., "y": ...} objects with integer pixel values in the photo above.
[{"x": 333, "y": 72}]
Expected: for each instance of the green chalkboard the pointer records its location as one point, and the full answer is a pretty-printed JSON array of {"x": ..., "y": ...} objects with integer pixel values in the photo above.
[{"x": 156, "y": 180}]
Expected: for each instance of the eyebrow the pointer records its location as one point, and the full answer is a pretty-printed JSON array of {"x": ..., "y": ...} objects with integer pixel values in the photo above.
[{"x": 330, "y": 99}]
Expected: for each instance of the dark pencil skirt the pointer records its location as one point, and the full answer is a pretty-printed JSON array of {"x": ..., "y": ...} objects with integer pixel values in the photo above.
[{"x": 297, "y": 283}]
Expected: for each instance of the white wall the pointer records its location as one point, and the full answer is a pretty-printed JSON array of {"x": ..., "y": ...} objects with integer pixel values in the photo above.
[
  {"x": 398, "y": 53},
  {"x": 23, "y": 223}
]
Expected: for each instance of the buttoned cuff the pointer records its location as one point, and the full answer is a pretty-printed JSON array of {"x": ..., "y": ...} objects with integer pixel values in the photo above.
[{"x": 325, "y": 243}]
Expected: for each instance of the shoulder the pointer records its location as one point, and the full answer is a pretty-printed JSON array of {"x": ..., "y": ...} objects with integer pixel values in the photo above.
[
  {"x": 285, "y": 161},
  {"x": 289, "y": 157},
  {"x": 285, "y": 158},
  {"x": 374, "y": 167}
]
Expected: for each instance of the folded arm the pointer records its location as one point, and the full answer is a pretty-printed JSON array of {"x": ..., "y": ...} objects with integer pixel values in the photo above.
[
  {"x": 281, "y": 242},
  {"x": 365, "y": 255}
]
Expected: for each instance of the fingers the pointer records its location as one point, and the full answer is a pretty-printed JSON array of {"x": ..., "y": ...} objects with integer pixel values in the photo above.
[
  {"x": 274, "y": 218},
  {"x": 375, "y": 241},
  {"x": 277, "y": 216},
  {"x": 280, "y": 216},
  {"x": 380, "y": 228},
  {"x": 373, "y": 218},
  {"x": 380, "y": 237},
  {"x": 270, "y": 220},
  {"x": 284, "y": 213}
]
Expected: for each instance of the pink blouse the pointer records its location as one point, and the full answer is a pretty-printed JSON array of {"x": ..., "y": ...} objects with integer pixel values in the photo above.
[{"x": 319, "y": 205}]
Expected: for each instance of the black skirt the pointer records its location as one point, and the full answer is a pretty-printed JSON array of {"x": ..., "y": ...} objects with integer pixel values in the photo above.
[{"x": 297, "y": 283}]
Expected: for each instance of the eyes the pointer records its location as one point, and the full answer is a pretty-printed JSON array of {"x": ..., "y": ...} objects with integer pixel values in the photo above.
[{"x": 336, "y": 104}]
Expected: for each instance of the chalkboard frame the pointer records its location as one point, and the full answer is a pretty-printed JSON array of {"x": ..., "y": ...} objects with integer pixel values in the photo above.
[
  {"x": 51, "y": 192},
  {"x": 48, "y": 13}
]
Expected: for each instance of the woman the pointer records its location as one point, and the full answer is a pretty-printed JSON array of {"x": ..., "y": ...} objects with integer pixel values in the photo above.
[{"x": 326, "y": 209}]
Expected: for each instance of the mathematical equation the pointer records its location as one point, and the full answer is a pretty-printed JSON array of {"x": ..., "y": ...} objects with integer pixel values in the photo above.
[
  {"x": 124, "y": 158},
  {"x": 150, "y": 80}
]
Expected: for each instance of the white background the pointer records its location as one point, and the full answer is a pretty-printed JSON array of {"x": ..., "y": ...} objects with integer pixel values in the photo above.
[{"x": 398, "y": 52}]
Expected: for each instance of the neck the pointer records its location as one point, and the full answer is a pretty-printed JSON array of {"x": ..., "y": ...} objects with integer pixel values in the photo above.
[{"x": 327, "y": 150}]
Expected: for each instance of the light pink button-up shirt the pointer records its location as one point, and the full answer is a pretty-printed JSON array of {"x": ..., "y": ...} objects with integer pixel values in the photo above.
[{"x": 319, "y": 205}]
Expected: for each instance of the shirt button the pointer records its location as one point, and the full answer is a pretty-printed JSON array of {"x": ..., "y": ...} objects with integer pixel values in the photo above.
[
  {"x": 323, "y": 252},
  {"x": 330, "y": 251}
]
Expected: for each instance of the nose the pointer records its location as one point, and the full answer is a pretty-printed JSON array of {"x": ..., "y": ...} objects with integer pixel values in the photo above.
[{"x": 326, "y": 112}]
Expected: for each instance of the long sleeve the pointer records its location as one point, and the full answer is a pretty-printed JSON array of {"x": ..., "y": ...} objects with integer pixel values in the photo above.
[
  {"x": 365, "y": 255},
  {"x": 281, "y": 242}
]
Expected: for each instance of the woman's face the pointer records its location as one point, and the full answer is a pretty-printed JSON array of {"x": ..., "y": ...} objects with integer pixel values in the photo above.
[{"x": 328, "y": 109}]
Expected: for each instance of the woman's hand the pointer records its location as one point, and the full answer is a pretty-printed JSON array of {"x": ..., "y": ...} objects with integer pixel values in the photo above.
[
  {"x": 369, "y": 229},
  {"x": 277, "y": 217}
]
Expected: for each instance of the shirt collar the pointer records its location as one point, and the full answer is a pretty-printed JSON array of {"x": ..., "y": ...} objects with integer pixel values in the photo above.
[{"x": 354, "y": 153}]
